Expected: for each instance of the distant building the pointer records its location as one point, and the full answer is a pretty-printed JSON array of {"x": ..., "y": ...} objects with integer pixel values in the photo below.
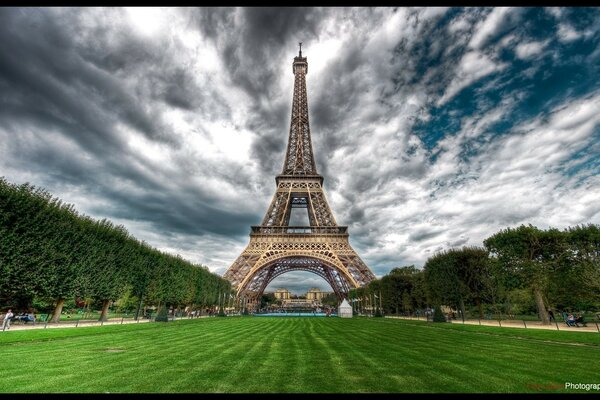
[
  {"x": 282, "y": 294},
  {"x": 312, "y": 298},
  {"x": 315, "y": 294}
]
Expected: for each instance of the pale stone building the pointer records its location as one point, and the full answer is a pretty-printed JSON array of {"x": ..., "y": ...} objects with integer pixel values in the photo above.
[
  {"x": 315, "y": 294},
  {"x": 282, "y": 294}
]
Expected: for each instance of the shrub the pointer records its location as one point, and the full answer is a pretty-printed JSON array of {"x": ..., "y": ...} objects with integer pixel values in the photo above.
[
  {"x": 162, "y": 316},
  {"x": 438, "y": 315}
]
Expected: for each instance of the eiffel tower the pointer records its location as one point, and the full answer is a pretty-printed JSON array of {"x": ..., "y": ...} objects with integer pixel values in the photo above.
[{"x": 276, "y": 247}]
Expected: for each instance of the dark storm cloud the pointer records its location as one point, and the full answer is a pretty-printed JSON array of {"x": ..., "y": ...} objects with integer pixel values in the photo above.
[
  {"x": 156, "y": 65},
  {"x": 48, "y": 75},
  {"x": 187, "y": 211},
  {"x": 388, "y": 80},
  {"x": 51, "y": 82},
  {"x": 254, "y": 43},
  {"x": 424, "y": 233},
  {"x": 184, "y": 213}
]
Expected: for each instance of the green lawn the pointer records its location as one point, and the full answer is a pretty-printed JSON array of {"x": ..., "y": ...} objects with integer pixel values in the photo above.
[{"x": 294, "y": 354}]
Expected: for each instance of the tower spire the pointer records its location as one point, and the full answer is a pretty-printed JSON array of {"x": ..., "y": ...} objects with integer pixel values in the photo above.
[{"x": 299, "y": 159}]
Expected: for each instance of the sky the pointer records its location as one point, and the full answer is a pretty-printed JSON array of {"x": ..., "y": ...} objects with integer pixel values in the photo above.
[{"x": 433, "y": 128}]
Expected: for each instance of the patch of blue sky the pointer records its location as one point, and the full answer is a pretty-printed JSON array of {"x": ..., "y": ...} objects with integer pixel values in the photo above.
[
  {"x": 581, "y": 18},
  {"x": 539, "y": 86}
]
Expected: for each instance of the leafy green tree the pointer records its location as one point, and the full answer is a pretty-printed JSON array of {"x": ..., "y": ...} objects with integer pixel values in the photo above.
[
  {"x": 23, "y": 224},
  {"x": 457, "y": 276},
  {"x": 419, "y": 290},
  {"x": 575, "y": 283},
  {"x": 473, "y": 269},
  {"x": 267, "y": 299},
  {"x": 584, "y": 244},
  {"x": 62, "y": 249},
  {"x": 112, "y": 258},
  {"x": 331, "y": 300},
  {"x": 531, "y": 254},
  {"x": 141, "y": 270},
  {"x": 443, "y": 281},
  {"x": 394, "y": 286}
]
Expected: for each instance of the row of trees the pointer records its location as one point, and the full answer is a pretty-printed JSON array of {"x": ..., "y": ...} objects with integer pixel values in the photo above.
[
  {"x": 48, "y": 251},
  {"x": 520, "y": 269}
]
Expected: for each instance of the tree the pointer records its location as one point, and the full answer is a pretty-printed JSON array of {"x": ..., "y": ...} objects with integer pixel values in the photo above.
[
  {"x": 331, "y": 300},
  {"x": 443, "y": 281},
  {"x": 398, "y": 289},
  {"x": 22, "y": 226},
  {"x": 579, "y": 269},
  {"x": 142, "y": 265},
  {"x": 267, "y": 299},
  {"x": 110, "y": 264},
  {"x": 419, "y": 290},
  {"x": 457, "y": 276},
  {"x": 584, "y": 242},
  {"x": 531, "y": 254},
  {"x": 63, "y": 251},
  {"x": 473, "y": 269}
]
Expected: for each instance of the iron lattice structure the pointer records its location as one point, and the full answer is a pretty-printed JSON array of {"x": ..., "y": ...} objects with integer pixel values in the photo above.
[{"x": 276, "y": 247}]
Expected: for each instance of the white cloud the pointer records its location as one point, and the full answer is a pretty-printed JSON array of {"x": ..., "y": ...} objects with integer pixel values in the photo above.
[
  {"x": 472, "y": 67},
  {"x": 554, "y": 11},
  {"x": 489, "y": 27},
  {"x": 567, "y": 33},
  {"x": 530, "y": 49},
  {"x": 147, "y": 20}
]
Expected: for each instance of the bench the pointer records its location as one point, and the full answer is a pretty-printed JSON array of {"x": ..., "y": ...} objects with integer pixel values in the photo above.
[
  {"x": 575, "y": 323},
  {"x": 22, "y": 319}
]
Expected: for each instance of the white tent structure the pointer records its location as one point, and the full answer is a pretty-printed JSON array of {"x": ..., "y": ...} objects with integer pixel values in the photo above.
[{"x": 345, "y": 310}]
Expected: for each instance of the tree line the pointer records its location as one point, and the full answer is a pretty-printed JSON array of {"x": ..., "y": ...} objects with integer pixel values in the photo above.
[
  {"x": 50, "y": 252},
  {"x": 518, "y": 271}
]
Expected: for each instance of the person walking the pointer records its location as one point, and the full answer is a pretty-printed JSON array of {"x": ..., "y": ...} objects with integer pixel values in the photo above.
[{"x": 7, "y": 318}]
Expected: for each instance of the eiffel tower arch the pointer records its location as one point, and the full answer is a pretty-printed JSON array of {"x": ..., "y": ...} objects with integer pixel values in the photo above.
[{"x": 276, "y": 247}]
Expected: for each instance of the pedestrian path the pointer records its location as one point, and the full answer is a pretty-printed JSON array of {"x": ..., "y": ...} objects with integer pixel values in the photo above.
[
  {"x": 73, "y": 324},
  {"x": 555, "y": 326},
  {"x": 84, "y": 323}
]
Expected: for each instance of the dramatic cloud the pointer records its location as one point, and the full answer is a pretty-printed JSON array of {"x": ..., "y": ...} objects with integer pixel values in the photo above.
[{"x": 433, "y": 127}]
